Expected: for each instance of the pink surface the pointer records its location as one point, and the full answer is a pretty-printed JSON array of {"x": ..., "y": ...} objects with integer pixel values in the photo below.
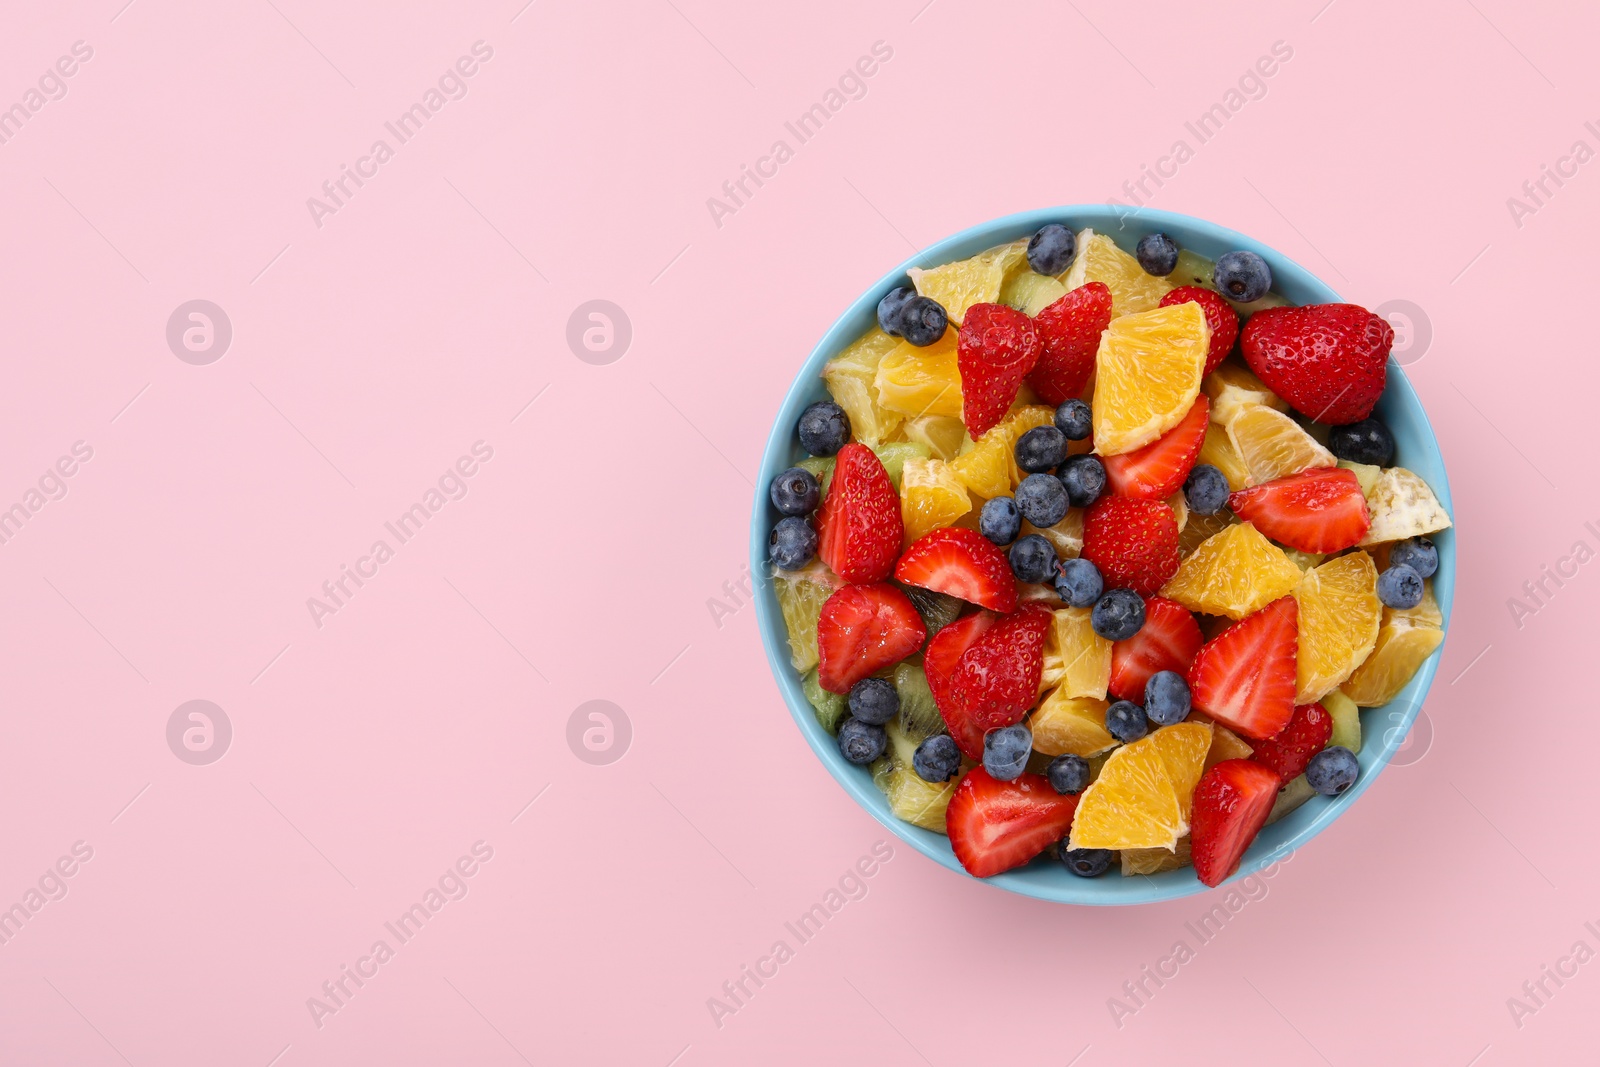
[{"x": 376, "y": 346}]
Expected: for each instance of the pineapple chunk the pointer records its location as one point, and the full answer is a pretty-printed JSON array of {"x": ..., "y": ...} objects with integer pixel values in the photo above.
[{"x": 1403, "y": 506}]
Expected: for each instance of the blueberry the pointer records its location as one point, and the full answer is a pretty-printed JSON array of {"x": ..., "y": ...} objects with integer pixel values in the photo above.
[
  {"x": 1005, "y": 751},
  {"x": 937, "y": 759},
  {"x": 1068, "y": 774},
  {"x": 923, "y": 321},
  {"x": 1042, "y": 499},
  {"x": 1086, "y": 862},
  {"x": 792, "y": 544},
  {"x": 1418, "y": 554},
  {"x": 1084, "y": 479},
  {"x": 1040, "y": 449},
  {"x": 1157, "y": 254},
  {"x": 1052, "y": 249},
  {"x": 1000, "y": 521},
  {"x": 874, "y": 701},
  {"x": 824, "y": 428},
  {"x": 1368, "y": 441},
  {"x": 1242, "y": 276},
  {"x": 1166, "y": 698},
  {"x": 1126, "y": 721},
  {"x": 891, "y": 307},
  {"x": 1033, "y": 559},
  {"x": 861, "y": 742},
  {"x": 795, "y": 492},
  {"x": 1400, "y": 586},
  {"x": 1206, "y": 490},
  {"x": 1074, "y": 419},
  {"x": 1118, "y": 614},
  {"x": 1333, "y": 770},
  {"x": 1079, "y": 583}
]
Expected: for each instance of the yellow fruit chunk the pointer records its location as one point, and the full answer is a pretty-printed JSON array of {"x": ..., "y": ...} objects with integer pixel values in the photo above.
[
  {"x": 1076, "y": 726},
  {"x": 1030, "y": 293},
  {"x": 959, "y": 285},
  {"x": 1200, "y": 528},
  {"x": 912, "y": 799},
  {"x": 1225, "y": 744},
  {"x": 1366, "y": 474},
  {"x": 920, "y": 381},
  {"x": 1273, "y": 445},
  {"x": 1405, "y": 639},
  {"x": 1304, "y": 560},
  {"x": 1232, "y": 385},
  {"x": 1100, "y": 260},
  {"x": 1155, "y": 860},
  {"x": 850, "y": 378},
  {"x": 1066, "y": 535},
  {"x": 1218, "y": 451},
  {"x": 1402, "y": 506},
  {"x": 1339, "y": 616},
  {"x": 1136, "y": 802},
  {"x": 1233, "y": 573},
  {"x": 1077, "y": 661},
  {"x": 984, "y": 466},
  {"x": 942, "y": 434},
  {"x": 931, "y": 496},
  {"x": 1147, "y": 375},
  {"x": 801, "y": 595},
  {"x": 1346, "y": 720}
]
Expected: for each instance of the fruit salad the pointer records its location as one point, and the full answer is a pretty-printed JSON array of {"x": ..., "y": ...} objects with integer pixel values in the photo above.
[{"x": 1096, "y": 556}]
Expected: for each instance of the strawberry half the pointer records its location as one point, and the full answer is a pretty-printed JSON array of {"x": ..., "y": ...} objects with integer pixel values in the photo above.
[
  {"x": 1328, "y": 360},
  {"x": 961, "y": 563},
  {"x": 996, "y": 681},
  {"x": 995, "y": 826},
  {"x": 1244, "y": 677},
  {"x": 1069, "y": 336},
  {"x": 1158, "y": 470},
  {"x": 1133, "y": 542},
  {"x": 859, "y": 529},
  {"x": 1220, "y": 316},
  {"x": 1321, "y": 510},
  {"x": 862, "y": 629},
  {"x": 939, "y": 663},
  {"x": 1168, "y": 641},
  {"x": 1287, "y": 753},
  {"x": 996, "y": 348},
  {"x": 1231, "y": 804}
]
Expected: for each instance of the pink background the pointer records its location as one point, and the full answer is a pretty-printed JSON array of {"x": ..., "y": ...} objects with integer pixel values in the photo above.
[{"x": 371, "y": 352}]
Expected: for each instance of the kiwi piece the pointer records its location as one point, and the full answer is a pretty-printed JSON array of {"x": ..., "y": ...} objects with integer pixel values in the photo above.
[
  {"x": 893, "y": 456},
  {"x": 821, "y": 468},
  {"x": 937, "y": 609},
  {"x": 919, "y": 715},
  {"x": 830, "y": 707}
]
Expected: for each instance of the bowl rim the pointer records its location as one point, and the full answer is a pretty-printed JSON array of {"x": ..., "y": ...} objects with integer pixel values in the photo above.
[{"x": 1058, "y": 885}]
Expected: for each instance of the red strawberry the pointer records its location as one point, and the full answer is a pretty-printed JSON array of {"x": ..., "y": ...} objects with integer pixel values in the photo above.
[
  {"x": 1157, "y": 470},
  {"x": 1224, "y": 321},
  {"x": 1328, "y": 360},
  {"x": 862, "y": 629},
  {"x": 858, "y": 526},
  {"x": 995, "y": 350},
  {"x": 1321, "y": 510},
  {"x": 1231, "y": 804},
  {"x": 1288, "y": 752},
  {"x": 939, "y": 663},
  {"x": 995, "y": 826},
  {"x": 1244, "y": 677},
  {"x": 996, "y": 681},
  {"x": 1069, "y": 337},
  {"x": 961, "y": 563},
  {"x": 1133, "y": 542},
  {"x": 1167, "y": 642}
]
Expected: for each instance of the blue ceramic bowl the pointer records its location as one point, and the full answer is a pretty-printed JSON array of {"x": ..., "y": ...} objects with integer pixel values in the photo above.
[{"x": 1384, "y": 730}]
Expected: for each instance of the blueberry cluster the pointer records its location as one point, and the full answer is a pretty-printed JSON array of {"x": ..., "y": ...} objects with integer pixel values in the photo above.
[{"x": 824, "y": 428}]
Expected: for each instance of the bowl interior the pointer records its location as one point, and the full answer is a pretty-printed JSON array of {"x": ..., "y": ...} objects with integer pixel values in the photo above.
[{"x": 1384, "y": 730}]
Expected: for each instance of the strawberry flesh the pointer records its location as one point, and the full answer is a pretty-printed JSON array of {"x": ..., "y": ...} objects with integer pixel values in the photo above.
[
  {"x": 961, "y": 563},
  {"x": 1245, "y": 676},
  {"x": 859, "y": 528},
  {"x": 996, "y": 348},
  {"x": 1158, "y": 470},
  {"x": 1069, "y": 336},
  {"x": 1168, "y": 641},
  {"x": 995, "y": 826},
  {"x": 1231, "y": 804},
  {"x": 863, "y": 629},
  {"x": 1287, "y": 752},
  {"x": 1327, "y": 360},
  {"x": 1321, "y": 510}
]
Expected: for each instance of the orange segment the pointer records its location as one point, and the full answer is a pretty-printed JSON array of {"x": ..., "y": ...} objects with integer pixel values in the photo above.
[
  {"x": 1147, "y": 375},
  {"x": 931, "y": 496},
  {"x": 959, "y": 285},
  {"x": 920, "y": 381},
  {"x": 1100, "y": 260},
  {"x": 942, "y": 434},
  {"x": 1184, "y": 748},
  {"x": 1233, "y": 573},
  {"x": 1077, "y": 661},
  {"x": 1273, "y": 445},
  {"x": 1233, "y": 385},
  {"x": 850, "y": 378},
  {"x": 1405, "y": 639},
  {"x": 1339, "y": 616},
  {"x": 1065, "y": 725},
  {"x": 1218, "y": 451},
  {"x": 1135, "y": 802}
]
